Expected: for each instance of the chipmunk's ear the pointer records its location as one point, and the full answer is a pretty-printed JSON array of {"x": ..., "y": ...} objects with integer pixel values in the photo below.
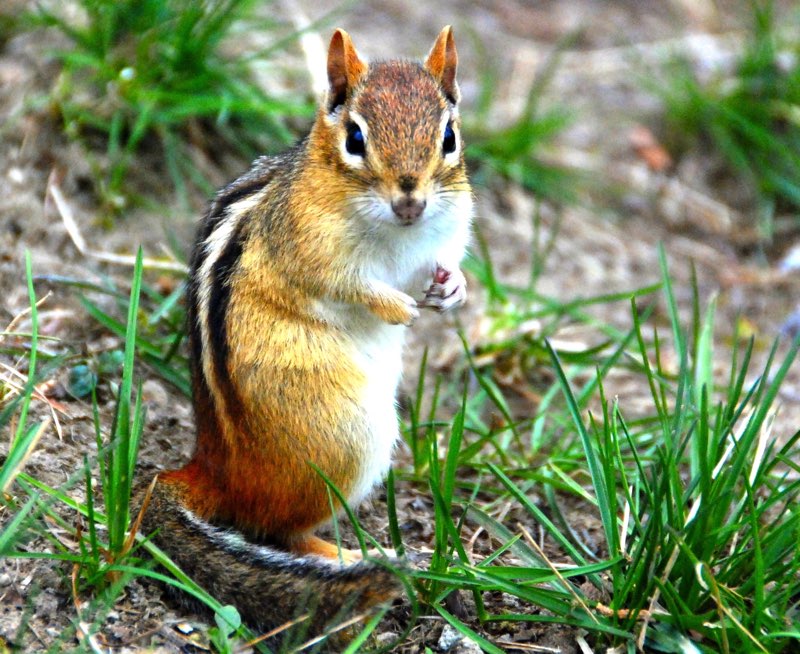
[
  {"x": 345, "y": 68},
  {"x": 442, "y": 63}
]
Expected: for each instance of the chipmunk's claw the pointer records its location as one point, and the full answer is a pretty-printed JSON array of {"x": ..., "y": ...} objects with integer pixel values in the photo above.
[{"x": 447, "y": 291}]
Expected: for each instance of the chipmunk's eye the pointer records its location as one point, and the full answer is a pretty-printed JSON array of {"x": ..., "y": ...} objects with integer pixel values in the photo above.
[
  {"x": 355, "y": 140},
  {"x": 449, "y": 142}
]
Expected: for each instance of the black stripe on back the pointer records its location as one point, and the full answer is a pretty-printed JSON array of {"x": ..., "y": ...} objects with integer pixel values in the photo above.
[
  {"x": 259, "y": 175},
  {"x": 195, "y": 334},
  {"x": 243, "y": 187},
  {"x": 219, "y": 299},
  {"x": 229, "y": 195}
]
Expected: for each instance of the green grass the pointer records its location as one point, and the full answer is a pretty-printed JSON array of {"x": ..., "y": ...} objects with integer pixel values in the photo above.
[
  {"x": 695, "y": 504},
  {"x": 698, "y": 505},
  {"x": 148, "y": 75},
  {"x": 160, "y": 332},
  {"x": 514, "y": 151},
  {"x": 25, "y": 436},
  {"x": 106, "y": 556},
  {"x": 749, "y": 118},
  {"x": 117, "y": 456},
  {"x": 30, "y": 502},
  {"x": 153, "y": 76},
  {"x": 9, "y": 25}
]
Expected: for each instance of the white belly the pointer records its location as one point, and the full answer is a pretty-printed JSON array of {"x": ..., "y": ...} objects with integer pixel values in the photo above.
[
  {"x": 377, "y": 351},
  {"x": 379, "y": 357}
]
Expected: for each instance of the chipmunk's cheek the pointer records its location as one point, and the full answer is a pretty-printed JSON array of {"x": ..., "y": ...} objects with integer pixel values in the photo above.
[
  {"x": 449, "y": 207},
  {"x": 373, "y": 208}
]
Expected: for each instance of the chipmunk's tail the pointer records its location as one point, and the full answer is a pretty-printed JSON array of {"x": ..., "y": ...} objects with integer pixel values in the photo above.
[{"x": 269, "y": 587}]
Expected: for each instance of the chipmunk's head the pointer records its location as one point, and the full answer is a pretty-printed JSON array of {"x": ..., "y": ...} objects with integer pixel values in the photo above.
[{"x": 393, "y": 133}]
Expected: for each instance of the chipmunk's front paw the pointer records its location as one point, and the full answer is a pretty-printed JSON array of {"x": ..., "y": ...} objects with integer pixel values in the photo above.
[
  {"x": 403, "y": 311},
  {"x": 447, "y": 291},
  {"x": 394, "y": 307}
]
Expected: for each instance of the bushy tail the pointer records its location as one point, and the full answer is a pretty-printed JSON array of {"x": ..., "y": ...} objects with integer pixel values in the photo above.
[{"x": 269, "y": 587}]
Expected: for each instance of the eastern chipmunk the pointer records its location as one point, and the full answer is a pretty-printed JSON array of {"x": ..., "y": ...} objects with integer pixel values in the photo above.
[{"x": 302, "y": 281}]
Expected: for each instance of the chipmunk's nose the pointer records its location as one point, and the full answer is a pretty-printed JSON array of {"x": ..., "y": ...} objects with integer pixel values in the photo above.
[{"x": 408, "y": 209}]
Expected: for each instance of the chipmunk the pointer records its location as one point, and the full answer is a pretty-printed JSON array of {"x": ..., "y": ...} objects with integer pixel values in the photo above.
[{"x": 301, "y": 285}]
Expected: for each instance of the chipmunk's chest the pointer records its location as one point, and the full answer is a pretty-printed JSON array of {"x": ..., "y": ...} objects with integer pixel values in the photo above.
[{"x": 406, "y": 260}]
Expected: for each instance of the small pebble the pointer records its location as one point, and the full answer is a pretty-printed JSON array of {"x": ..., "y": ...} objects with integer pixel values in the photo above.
[
  {"x": 455, "y": 642},
  {"x": 385, "y": 638},
  {"x": 791, "y": 260},
  {"x": 16, "y": 175}
]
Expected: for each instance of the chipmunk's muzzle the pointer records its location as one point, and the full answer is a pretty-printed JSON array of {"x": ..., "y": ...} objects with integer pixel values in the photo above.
[{"x": 408, "y": 209}]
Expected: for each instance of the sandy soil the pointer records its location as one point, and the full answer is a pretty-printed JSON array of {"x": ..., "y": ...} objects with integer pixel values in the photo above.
[{"x": 606, "y": 243}]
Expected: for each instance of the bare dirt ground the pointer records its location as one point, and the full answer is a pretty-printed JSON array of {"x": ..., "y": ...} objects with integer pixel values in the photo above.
[{"x": 607, "y": 242}]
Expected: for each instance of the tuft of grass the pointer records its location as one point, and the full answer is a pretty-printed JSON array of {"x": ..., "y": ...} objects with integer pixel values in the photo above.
[
  {"x": 117, "y": 460},
  {"x": 9, "y": 25},
  {"x": 145, "y": 72},
  {"x": 710, "y": 512},
  {"x": 514, "y": 151},
  {"x": 94, "y": 560},
  {"x": 105, "y": 555},
  {"x": 751, "y": 119},
  {"x": 697, "y": 503},
  {"x": 23, "y": 439}
]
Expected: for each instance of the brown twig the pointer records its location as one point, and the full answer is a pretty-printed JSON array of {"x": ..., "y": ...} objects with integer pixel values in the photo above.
[
  {"x": 129, "y": 541},
  {"x": 561, "y": 578},
  {"x": 70, "y": 224}
]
